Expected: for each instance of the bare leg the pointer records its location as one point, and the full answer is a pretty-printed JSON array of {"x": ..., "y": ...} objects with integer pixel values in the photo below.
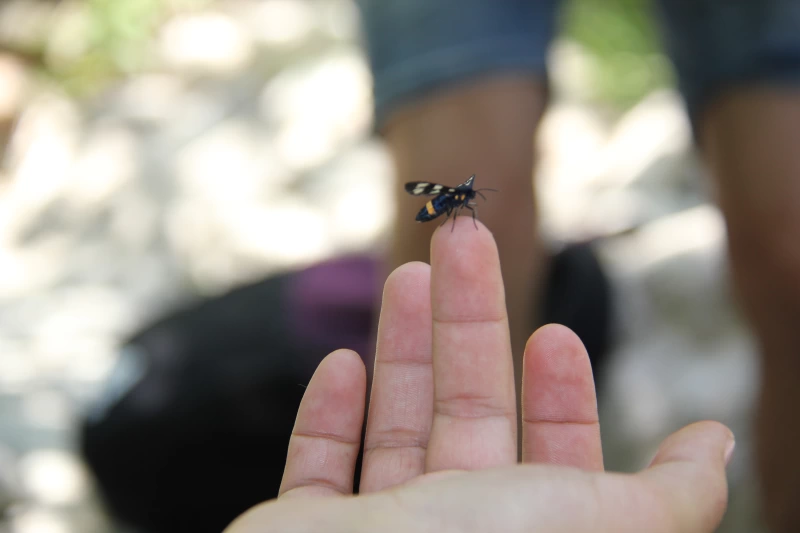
[
  {"x": 485, "y": 128},
  {"x": 752, "y": 140}
]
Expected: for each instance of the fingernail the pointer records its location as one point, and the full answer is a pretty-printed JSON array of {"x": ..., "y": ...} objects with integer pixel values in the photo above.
[{"x": 729, "y": 450}]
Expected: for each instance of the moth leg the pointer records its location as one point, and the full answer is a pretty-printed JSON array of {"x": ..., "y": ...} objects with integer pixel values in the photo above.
[
  {"x": 471, "y": 207},
  {"x": 457, "y": 210},
  {"x": 448, "y": 211}
]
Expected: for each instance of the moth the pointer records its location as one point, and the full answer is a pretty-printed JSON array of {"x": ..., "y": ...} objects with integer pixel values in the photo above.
[{"x": 448, "y": 200}]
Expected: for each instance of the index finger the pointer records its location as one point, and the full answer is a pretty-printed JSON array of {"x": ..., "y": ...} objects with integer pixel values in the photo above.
[{"x": 474, "y": 410}]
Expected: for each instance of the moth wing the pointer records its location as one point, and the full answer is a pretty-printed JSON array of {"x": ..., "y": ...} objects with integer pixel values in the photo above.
[{"x": 423, "y": 188}]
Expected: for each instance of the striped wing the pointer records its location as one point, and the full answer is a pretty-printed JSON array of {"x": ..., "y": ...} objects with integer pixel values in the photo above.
[{"x": 423, "y": 188}]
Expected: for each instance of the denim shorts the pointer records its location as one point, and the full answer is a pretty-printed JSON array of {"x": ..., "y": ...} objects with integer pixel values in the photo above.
[{"x": 416, "y": 46}]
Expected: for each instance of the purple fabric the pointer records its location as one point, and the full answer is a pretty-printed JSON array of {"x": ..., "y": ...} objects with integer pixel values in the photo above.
[{"x": 333, "y": 304}]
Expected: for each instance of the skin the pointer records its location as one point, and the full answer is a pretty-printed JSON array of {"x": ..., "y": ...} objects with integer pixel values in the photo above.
[
  {"x": 750, "y": 138},
  {"x": 441, "y": 445}
]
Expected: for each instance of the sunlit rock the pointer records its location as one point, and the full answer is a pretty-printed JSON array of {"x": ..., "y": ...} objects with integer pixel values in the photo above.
[
  {"x": 277, "y": 22},
  {"x": 150, "y": 98},
  {"x": 39, "y": 160},
  {"x": 52, "y": 476},
  {"x": 318, "y": 106},
  {"x": 205, "y": 41},
  {"x": 107, "y": 160},
  {"x": 13, "y": 88}
]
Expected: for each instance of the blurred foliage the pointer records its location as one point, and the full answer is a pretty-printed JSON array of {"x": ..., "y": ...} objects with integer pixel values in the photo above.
[
  {"x": 119, "y": 37},
  {"x": 623, "y": 40},
  {"x": 82, "y": 44}
]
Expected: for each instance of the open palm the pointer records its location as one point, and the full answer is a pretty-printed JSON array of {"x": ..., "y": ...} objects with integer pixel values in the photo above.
[{"x": 443, "y": 399}]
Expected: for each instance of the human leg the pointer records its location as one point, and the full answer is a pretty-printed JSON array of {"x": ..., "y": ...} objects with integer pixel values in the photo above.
[
  {"x": 739, "y": 64},
  {"x": 753, "y": 147}
]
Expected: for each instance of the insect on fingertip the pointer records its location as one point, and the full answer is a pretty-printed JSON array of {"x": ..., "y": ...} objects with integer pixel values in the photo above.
[{"x": 448, "y": 200}]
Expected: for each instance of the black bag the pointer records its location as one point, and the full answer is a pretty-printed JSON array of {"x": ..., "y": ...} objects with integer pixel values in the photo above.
[{"x": 194, "y": 424}]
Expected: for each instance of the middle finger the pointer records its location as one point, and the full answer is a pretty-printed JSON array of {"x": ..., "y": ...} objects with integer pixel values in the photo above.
[{"x": 474, "y": 408}]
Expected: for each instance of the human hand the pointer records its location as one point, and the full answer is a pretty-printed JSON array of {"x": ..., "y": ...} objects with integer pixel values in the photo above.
[{"x": 443, "y": 399}]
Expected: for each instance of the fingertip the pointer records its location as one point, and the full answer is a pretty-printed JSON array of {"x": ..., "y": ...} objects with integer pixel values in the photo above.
[
  {"x": 340, "y": 382},
  {"x": 466, "y": 282},
  {"x": 346, "y": 365},
  {"x": 556, "y": 337},
  {"x": 343, "y": 353},
  {"x": 464, "y": 231},
  {"x": 411, "y": 268},
  {"x": 689, "y": 469},
  {"x": 408, "y": 276},
  {"x": 556, "y": 354},
  {"x": 700, "y": 442}
]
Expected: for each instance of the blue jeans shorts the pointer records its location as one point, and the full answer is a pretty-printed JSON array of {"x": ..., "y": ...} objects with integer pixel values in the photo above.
[{"x": 415, "y": 46}]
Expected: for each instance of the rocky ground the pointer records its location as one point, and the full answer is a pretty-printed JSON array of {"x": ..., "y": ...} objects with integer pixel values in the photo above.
[{"x": 248, "y": 152}]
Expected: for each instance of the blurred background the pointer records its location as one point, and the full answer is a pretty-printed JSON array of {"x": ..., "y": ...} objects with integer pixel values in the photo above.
[{"x": 153, "y": 153}]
